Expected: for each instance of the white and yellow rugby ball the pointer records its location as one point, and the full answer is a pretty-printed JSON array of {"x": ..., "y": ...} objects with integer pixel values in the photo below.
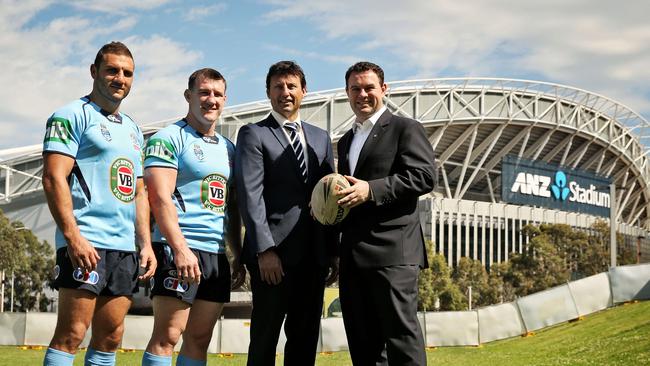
[{"x": 323, "y": 199}]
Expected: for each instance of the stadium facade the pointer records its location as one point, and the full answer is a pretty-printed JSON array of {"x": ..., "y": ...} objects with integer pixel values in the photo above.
[{"x": 510, "y": 153}]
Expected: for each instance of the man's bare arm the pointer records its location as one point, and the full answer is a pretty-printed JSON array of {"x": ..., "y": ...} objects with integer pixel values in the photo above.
[
  {"x": 142, "y": 230},
  {"x": 56, "y": 169},
  {"x": 233, "y": 239},
  {"x": 161, "y": 183}
]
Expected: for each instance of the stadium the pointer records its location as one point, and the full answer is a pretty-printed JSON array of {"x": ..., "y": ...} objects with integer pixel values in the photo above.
[{"x": 500, "y": 145}]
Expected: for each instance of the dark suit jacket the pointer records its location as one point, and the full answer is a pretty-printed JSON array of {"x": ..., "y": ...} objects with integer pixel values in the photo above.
[
  {"x": 274, "y": 200},
  {"x": 397, "y": 161}
]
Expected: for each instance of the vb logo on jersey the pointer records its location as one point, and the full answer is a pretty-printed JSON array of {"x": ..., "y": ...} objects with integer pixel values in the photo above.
[
  {"x": 123, "y": 180},
  {"x": 213, "y": 192},
  {"x": 174, "y": 284},
  {"x": 81, "y": 275}
]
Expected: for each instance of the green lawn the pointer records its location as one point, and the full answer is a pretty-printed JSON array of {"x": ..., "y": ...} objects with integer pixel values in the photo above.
[{"x": 618, "y": 336}]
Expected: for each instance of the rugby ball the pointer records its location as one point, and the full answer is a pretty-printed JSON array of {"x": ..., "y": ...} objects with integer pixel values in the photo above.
[{"x": 323, "y": 199}]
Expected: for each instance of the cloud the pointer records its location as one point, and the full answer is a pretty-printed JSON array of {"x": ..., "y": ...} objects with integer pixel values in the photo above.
[
  {"x": 20, "y": 11},
  {"x": 117, "y": 7},
  {"x": 596, "y": 45},
  {"x": 160, "y": 80},
  {"x": 203, "y": 12},
  {"x": 337, "y": 59},
  {"x": 45, "y": 65}
]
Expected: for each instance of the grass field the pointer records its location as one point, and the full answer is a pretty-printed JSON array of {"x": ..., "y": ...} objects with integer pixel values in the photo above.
[{"x": 618, "y": 336}]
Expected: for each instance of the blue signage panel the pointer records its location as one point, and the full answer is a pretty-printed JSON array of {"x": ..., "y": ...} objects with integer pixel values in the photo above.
[{"x": 536, "y": 183}]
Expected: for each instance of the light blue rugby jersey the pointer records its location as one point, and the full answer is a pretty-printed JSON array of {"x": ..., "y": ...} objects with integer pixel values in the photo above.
[
  {"x": 204, "y": 166},
  {"x": 108, "y": 159}
]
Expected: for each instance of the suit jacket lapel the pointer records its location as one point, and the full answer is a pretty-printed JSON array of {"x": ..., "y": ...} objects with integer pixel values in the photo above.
[
  {"x": 275, "y": 127},
  {"x": 344, "y": 164},
  {"x": 286, "y": 146},
  {"x": 374, "y": 136}
]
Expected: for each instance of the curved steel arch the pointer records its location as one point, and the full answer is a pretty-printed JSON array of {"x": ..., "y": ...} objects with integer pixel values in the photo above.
[{"x": 472, "y": 123}]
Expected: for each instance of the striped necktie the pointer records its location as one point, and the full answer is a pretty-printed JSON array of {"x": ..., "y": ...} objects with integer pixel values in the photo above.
[{"x": 292, "y": 128}]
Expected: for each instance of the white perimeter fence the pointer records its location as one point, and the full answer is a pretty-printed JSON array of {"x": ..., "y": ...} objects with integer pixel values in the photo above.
[{"x": 457, "y": 328}]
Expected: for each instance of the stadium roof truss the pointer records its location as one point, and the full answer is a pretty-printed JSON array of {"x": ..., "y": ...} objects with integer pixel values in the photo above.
[{"x": 472, "y": 123}]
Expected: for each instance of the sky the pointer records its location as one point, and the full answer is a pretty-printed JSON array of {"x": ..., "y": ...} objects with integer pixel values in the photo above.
[{"x": 46, "y": 48}]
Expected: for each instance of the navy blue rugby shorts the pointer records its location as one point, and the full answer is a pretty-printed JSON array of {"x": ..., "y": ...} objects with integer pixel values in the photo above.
[
  {"x": 215, "y": 277},
  {"x": 116, "y": 273}
]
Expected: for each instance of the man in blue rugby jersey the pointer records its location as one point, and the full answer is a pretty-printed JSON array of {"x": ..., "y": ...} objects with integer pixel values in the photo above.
[
  {"x": 188, "y": 169},
  {"x": 92, "y": 178}
]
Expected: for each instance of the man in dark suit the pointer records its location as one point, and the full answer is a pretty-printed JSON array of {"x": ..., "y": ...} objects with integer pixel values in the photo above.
[
  {"x": 278, "y": 161},
  {"x": 389, "y": 162}
]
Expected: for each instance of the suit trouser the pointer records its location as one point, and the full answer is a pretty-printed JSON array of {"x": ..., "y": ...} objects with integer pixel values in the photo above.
[
  {"x": 380, "y": 315},
  {"x": 300, "y": 297}
]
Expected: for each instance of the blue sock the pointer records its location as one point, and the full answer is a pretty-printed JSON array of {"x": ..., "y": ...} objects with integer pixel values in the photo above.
[
  {"x": 186, "y": 361},
  {"x": 99, "y": 358},
  {"x": 54, "y": 357},
  {"x": 149, "y": 359}
]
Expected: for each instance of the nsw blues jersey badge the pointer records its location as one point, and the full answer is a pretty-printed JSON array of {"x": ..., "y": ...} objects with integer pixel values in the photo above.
[
  {"x": 198, "y": 152},
  {"x": 134, "y": 141},
  {"x": 105, "y": 132}
]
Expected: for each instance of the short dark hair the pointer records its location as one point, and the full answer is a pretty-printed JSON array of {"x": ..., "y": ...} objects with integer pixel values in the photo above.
[
  {"x": 114, "y": 48},
  {"x": 207, "y": 73},
  {"x": 284, "y": 68},
  {"x": 364, "y": 66}
]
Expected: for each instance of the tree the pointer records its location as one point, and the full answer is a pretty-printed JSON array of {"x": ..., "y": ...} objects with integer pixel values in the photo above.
[
  {"x": 435, "y": 285},
  {"x": 470, "y": 272},
  {"x": 595, "y": 258},
  {"x": 601, "y": 242},
  {"x": 554, "y": 254},
  {"x": 31, "y": 280},
  {"x": 426, "y": 290},
  {"x": 12, "y": 251},
  {"x": 540, "y": 266},
  {"x": 29, "y": 260},
  {"x": 497, "y": 290}
]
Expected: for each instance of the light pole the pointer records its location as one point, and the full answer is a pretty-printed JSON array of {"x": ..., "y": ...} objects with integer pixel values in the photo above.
[
  {"x": 11, "y": 306},
  {"x": 612, "y": 223},
  {"x": 2, "y": 291}
]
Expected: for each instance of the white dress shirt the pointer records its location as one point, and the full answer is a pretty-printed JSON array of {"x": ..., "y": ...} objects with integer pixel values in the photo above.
[
  {"x": 361, "y": 132},
  {"x": 301, "y": 134}
]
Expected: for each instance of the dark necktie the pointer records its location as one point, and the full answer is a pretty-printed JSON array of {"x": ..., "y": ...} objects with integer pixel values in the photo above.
[{"x": 292, "y": 128}]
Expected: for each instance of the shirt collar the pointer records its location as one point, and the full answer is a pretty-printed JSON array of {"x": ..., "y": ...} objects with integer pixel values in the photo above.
[
  {"x": 370, "y": 122},
  {"x": 282, "y": 120}
]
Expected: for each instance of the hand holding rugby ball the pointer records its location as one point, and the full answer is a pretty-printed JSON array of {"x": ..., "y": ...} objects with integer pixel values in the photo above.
[{"x": 324, "y": 198}]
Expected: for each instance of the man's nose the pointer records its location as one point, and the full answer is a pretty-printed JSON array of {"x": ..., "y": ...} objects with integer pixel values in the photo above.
[{"x": 119, "y": 76}]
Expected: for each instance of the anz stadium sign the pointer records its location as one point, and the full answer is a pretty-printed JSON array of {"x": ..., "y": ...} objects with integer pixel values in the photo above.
[{"x": 536, "y": 183}]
